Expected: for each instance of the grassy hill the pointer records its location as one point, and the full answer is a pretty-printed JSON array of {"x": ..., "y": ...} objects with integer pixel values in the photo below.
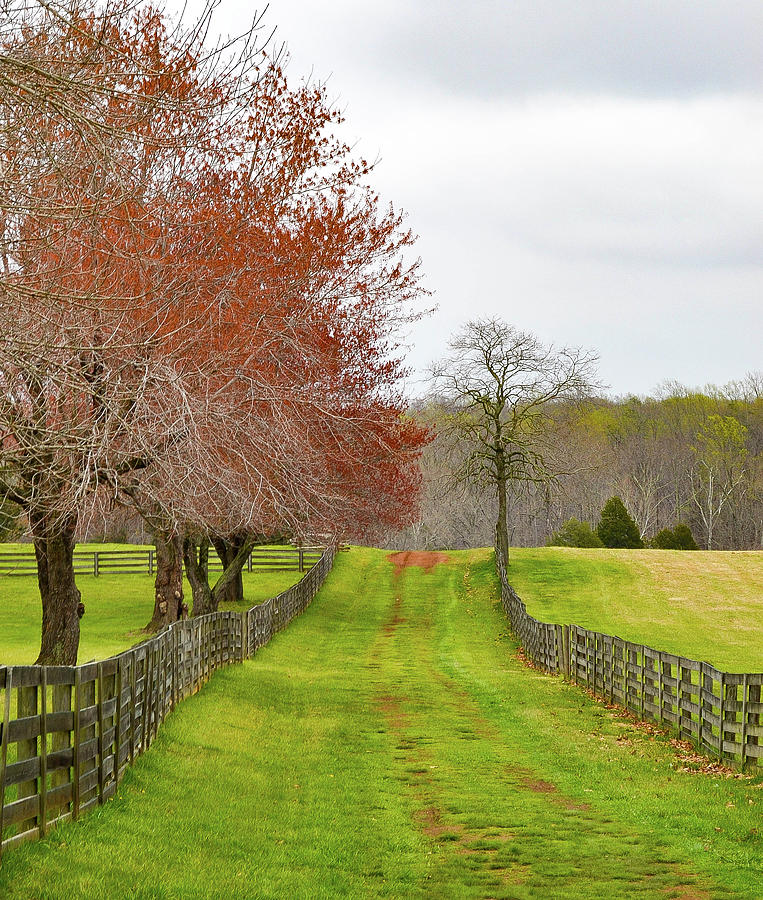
[{"x": 705, "y": 605}]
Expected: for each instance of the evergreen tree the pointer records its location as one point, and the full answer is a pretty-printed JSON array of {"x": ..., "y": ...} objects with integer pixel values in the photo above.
[
  {"x": 664, "y": 540},
  {"x": 617, "y": 528},
  {"x": 574, "y": 533},
  {"x": 684, "y": 538},
  {"x": 678, "y": 538}
]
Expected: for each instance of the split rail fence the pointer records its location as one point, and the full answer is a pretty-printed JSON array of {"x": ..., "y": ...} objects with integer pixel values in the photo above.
[
  {"x": 69, "y": 732},
  {"x": 720, "y": 711},
  {"x": 138, "y": 560}
]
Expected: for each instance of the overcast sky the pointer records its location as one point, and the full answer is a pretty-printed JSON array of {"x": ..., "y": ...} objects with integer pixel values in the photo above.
[{"x": 589, "y": 170}]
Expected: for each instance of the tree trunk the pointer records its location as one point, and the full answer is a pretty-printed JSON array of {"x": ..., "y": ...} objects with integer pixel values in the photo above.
[
  {"x": 228, "y": 549},
  {"x": 196, "y": 559},
  {"x": 62, "y": 606},
  {"x": 710, "y": 518},
  {"x": 230, "y": 583},
  {"x": 168, "y": 585},
  {"x": 501, "y": 525}
]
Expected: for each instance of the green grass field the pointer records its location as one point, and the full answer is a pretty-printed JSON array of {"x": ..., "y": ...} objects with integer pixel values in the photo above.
[
  {"x": 117, "y": 607},
  {"x": 390, "y": 743},
  {"x": 704, "y": 605}
]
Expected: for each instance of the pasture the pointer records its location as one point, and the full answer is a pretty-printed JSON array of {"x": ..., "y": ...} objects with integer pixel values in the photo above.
[
  {"x": 117, "y": 607},
  {"x": 704, "y": 605},
  {"x": 391, "y": 743}
]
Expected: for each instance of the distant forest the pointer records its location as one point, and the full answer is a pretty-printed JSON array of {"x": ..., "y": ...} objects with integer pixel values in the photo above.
[{"x": 682, "y": 455}]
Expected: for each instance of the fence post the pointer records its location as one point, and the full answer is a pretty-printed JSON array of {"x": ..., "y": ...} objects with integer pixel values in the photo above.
[
  {"x": 88, "y": 734},
  {"x": 729, "y": 715},
  {"x": 99, "y": 734},
  {"x": 27, "y": 706},
  {"x": 145, "y": 730},
  {"x": 743, "y": 735},
  {"x": 660, "y": 686},
  {"x": 43, "y": 783},
  {"x": 754, "y": 718},
  {"x": 133, "y": 701},
  {"x": 301, "y": 559},
  {"x": 160, "y": 679},
  {"x": 118, "y": 718},
  {"x": 175, "y": 651},
  {"x": 4, "y": 749},
  {"x": 643, "y": 679},
  {"x": 96, "y": 563},
  {"x": 150, "y": 562},
  {"x": 721, "y": 715},
  {"x": 61, "y": 740},
  {"x": 566, "y": 650},
  {"x": 76, "y": 740}
]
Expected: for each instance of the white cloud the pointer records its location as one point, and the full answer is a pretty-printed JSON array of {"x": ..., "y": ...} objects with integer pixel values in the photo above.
[
  {"x": 501, "y": 47},
  {"x": 656, "y": 180}
]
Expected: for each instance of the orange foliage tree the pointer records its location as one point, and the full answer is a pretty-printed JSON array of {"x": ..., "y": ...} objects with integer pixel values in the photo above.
[{"x": 201, "y": 296}]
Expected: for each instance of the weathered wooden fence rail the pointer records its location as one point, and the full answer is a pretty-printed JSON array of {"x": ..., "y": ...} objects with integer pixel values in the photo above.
[
  {"x": 137, "y": 560},
  {"x": 720, "y": 711},
  {"x": 69, "y": 732}
]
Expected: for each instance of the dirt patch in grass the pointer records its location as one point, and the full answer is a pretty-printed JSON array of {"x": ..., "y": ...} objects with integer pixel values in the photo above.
[
  {"x": 686, "y": 892},
  {"x": 461, "y": 840},
  {"x": 538, "y": 786},
  {"x": 390, "y": 708},
  {"x": 429, "y": 819},
  {"x": 425, "y": 559},
  {"x": 395, "y": 618},
  {"x": 530, "y": 782}
]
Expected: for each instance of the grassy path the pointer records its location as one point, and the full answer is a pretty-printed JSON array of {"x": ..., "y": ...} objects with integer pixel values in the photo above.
[{"x": 390, "y": 744}]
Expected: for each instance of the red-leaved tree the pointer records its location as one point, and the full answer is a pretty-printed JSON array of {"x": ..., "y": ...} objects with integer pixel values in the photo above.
[{"x": 202, "y": 297}]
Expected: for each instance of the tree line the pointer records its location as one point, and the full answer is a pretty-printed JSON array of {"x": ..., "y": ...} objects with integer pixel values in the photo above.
[
  {"x": 681, "y": 458},
  {"x": 200, "y": 296}
]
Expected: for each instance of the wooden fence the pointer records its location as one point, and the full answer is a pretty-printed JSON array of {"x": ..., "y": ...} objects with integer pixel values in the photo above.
[
  {"x": 720, "y": 711},
  {"x": 69, "y": 732},
  {"x": 138, "y": 560}
]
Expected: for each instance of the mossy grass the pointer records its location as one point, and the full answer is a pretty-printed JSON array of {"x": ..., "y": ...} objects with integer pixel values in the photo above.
[
  {"x": 699, "y": 604},
  {"x": 391, "y": 743}
]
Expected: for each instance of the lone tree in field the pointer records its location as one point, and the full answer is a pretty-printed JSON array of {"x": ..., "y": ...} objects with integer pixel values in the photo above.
[
  {"x": 498, "y": 386},
  {"x": 617, "y": 528}
]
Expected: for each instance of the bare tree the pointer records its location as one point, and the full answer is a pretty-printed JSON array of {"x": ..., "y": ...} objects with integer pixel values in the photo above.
[
  {"x": 108, "y": 123},
  {"x": 720, "y": 469},
  {"x": 500, "y": 384},
  {"x": 200, "y": 295}
]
